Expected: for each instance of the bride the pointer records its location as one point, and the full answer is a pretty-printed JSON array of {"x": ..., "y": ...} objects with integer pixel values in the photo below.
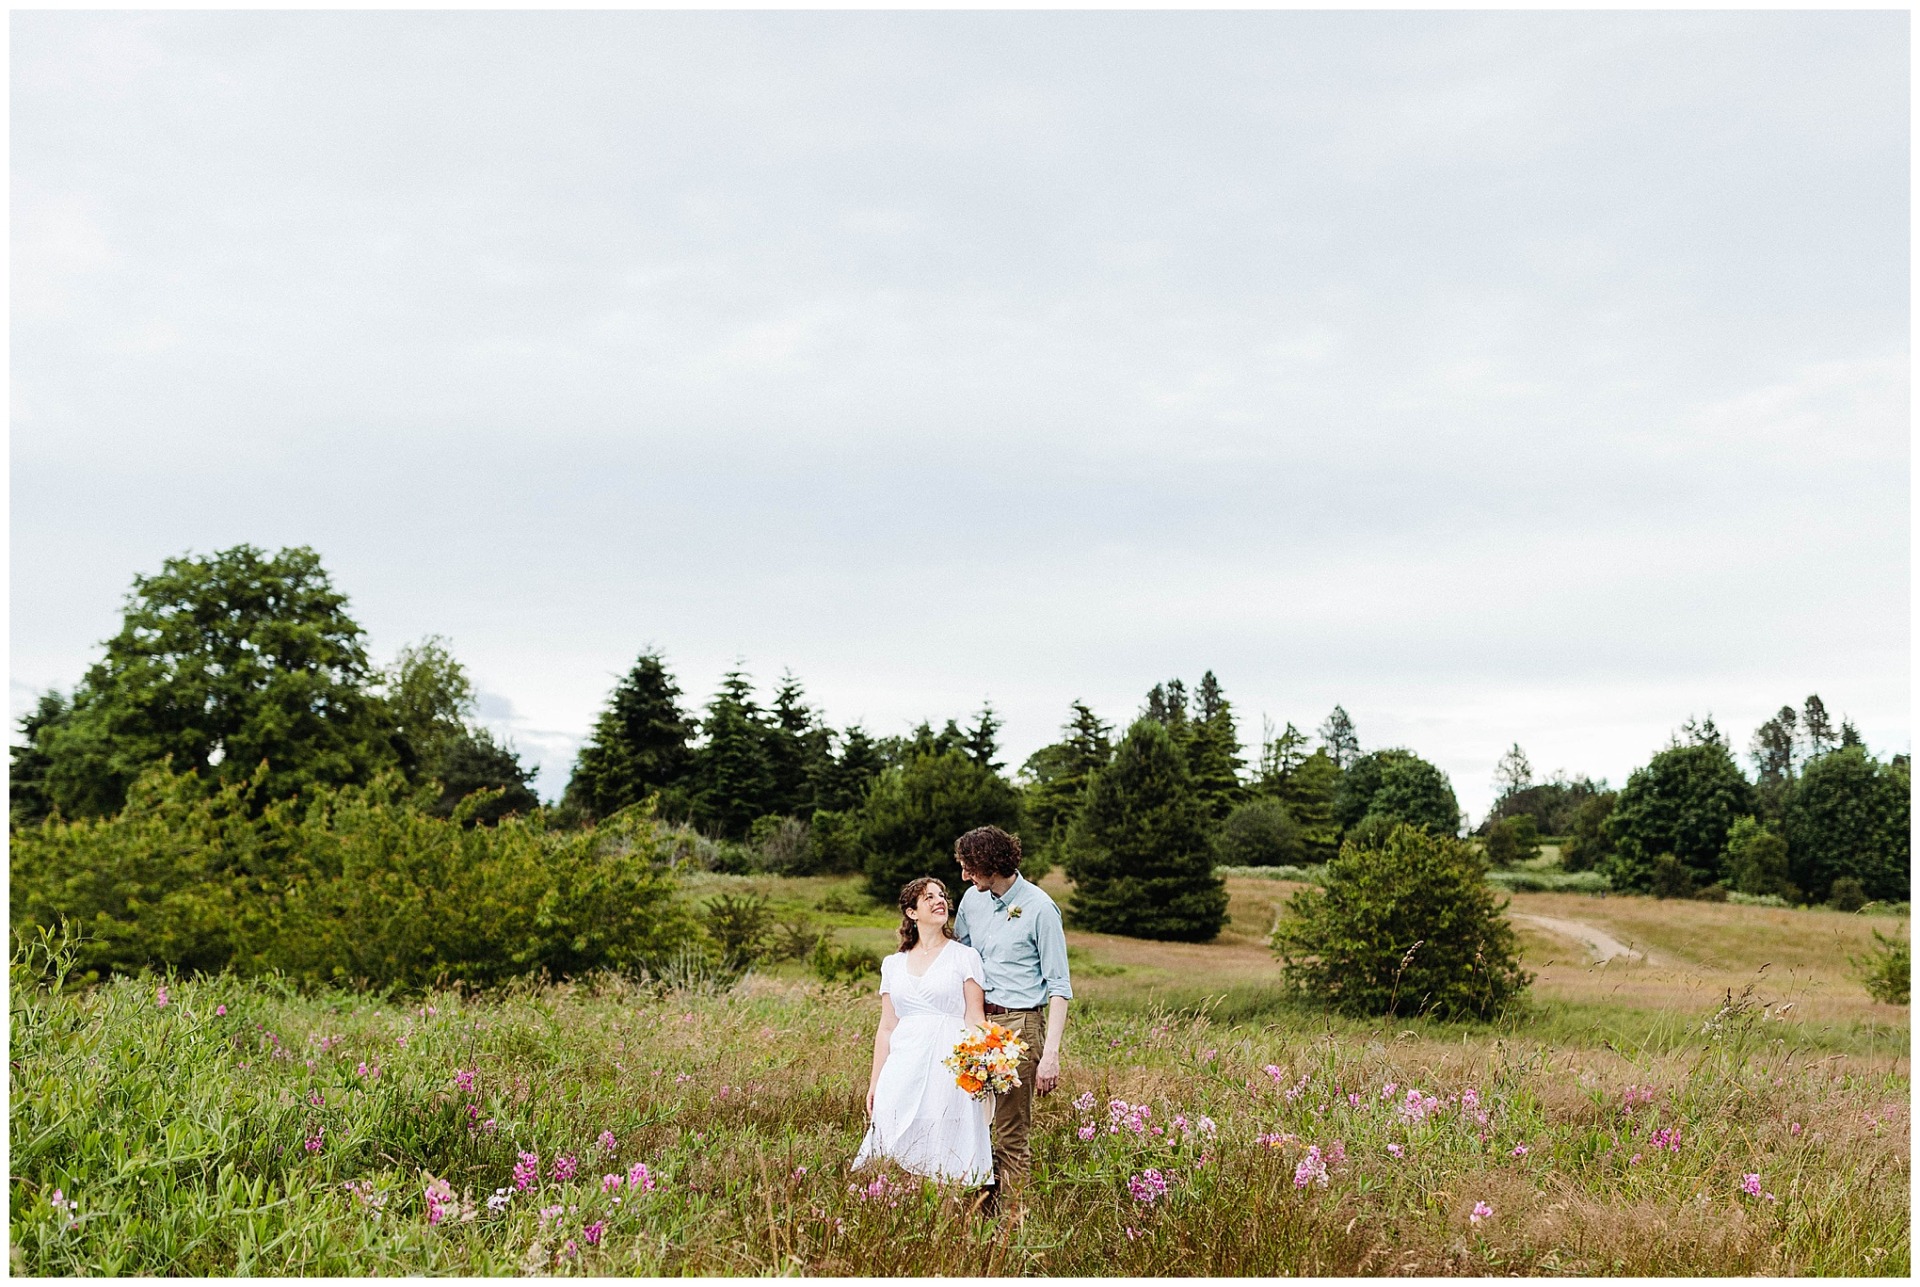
[{"x": 931, "y": 990}]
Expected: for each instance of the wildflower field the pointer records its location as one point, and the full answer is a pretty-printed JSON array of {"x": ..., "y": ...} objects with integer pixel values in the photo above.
[{"x": 223, "y": 1126}]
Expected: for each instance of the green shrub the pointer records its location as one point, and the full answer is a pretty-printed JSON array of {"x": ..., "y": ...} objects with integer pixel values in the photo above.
[
  {"x": 834, "y": 963},
  {"x": 1886, "y": 969},
  {"x": 1550, "y": 882},
  {"x": 351, "y": 883},
  {"x": 1847, "y": 895},
  {"x": 1757, "y": 860},
  {"x": 1406, "y": 927},
  {"x": 1682, "y": 804},
  {"x": 1586, "y": 847},
  {"x": 1512, "y": 841},
  {"x": 1668, "y": 877},
  {"x": 1259, "y": 833},
  {"x": 741, "y": 926}
]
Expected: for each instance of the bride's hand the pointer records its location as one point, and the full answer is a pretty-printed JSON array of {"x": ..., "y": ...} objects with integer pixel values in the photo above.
[{"x": 869, "y": 1103}]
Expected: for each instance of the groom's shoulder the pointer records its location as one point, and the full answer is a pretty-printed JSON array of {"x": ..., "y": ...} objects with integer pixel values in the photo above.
[{"x": 1038, "y": 896}]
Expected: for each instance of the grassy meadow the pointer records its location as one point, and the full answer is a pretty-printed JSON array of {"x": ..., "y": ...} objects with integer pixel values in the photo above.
[{"x": 1726, "y": 1102}]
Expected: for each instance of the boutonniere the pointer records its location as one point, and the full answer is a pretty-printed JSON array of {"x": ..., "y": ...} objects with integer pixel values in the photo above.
[{"x": 1013, "y": 913}]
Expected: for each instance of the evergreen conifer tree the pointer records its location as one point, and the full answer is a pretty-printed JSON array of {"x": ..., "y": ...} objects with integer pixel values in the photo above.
[
  {"x": 980, "y": 745},
  {"x": 1818, "y": 727},
  {"x": 1056, "y": 776},
  {"x": 1213, "y": 751},
  {"x": 799, "y": 749},
  {"x": 914, "y": 813},
  {"x": 733, "y": 775},
  {"x": 638, "y": 745},
  {"x": 1142, "y": 857},
  {"x": 1280, "y": 757},
  {"x": 1309, "y": 792}
]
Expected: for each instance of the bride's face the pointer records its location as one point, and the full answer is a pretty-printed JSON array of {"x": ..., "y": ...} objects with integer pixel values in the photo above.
[{"x": 931, "y": 906}]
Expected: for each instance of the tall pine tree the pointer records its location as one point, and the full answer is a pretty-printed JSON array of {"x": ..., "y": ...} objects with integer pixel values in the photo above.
[
  {"x": 638, "y": 745},
  {"x": 1056, "y": 776},
  {"x": 1213, "y": 751},
  {"x": 799, "y": 750},
  {"x": 1142, "y": 857},
  {"x": 1341, "y": 742},
  {"x": 733, "y": 775}
]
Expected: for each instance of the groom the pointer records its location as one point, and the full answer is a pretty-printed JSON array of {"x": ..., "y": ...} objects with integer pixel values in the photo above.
[{"x": 1015, "y": 927}]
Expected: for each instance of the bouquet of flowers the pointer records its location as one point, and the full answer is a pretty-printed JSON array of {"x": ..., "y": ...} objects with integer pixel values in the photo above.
[{"x": 987, "y": 1061}]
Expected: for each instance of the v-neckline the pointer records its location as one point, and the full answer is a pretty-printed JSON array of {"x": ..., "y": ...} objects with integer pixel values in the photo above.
[{"x": 930, "y": 964}]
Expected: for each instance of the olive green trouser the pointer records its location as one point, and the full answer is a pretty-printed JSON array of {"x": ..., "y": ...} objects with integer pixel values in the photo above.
[{"x": 1013, "y": 1111}]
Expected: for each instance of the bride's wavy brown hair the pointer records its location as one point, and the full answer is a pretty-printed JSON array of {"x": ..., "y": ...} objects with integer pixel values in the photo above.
[{"x": 909, "y": 895}]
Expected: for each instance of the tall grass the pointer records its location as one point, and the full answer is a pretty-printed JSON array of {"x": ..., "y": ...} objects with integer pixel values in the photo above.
[{"x": 302, "y": 1134}]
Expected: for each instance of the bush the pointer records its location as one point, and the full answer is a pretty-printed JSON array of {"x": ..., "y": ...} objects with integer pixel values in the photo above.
[
  {"x": 352, "y": 883},
  {"x": 1668, "y": 877},
  {"x": 1139, "y": 854},
  {"x": 1757, "y": 860},
  {"x": 1847, "y": 895},
  {"x": 835, "y": 964},
  {"x": 1397, "y": 786},
  {"x": 1512, "y": 841},
  {"x": 1848, "y": 816},
  {"x": 1259, "y": 833},
  {"x": 741, "y": 927},
  {"x": 1408, "y": 927},
  {"x": 784, "y": 845},
  {"x": 1586, "y": 847},
  {"x": 1886, "y": 969},
  {"x": 915, "y": 812}
]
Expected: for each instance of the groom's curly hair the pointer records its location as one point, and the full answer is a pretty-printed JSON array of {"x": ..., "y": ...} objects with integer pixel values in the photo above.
[{"x": 989, "y": 851}]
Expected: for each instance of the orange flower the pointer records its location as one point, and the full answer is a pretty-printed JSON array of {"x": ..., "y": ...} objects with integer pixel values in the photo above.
[{"x": 970, "y": 1084}]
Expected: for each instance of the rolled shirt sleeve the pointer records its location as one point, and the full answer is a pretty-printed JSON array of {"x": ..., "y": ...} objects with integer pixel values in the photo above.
[{"x": 1051, "y": 940}]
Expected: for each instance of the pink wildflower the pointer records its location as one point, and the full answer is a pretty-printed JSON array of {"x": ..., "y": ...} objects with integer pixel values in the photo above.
[
  {"x": 1148, "y": 1187},
  {"x": 1386, "y": 1091},
  {"x": 1396, "y": 1150},
  {"x": 799, "y": 1171},
  {"x": 1083, "y": 1103},
  {"x": 610, "y": 1182},
  {"x": 565, "y": 1167},
  {"x": 439, "y": 1200},
  {"x": 638, "y": 1178},
  {"x": 1750, "y": 1182},
  {"x": 526, "y": 1172},
  {"x": 1312, "y": 1169},
  {"x": 1794, "y": 1129},
  {"x": 1469, "y": 1100},
  {"x": 160, "y": 997},
  {"x": 1086, "y": 1132},
  {"x": 317, "y": 1140},
  {"x": 1668, "y": 1138},
  {"x": 1481, "y": 1211},
  {"x": 220, "y": 1009},
  {"x": 593, "y": 1231},
  {"x": 1520, "y": 1150},
  {"x": 607, "y": 1143},
  {"x": 465, "y": 1077},
  {"x": 1336, "y": 1153}
]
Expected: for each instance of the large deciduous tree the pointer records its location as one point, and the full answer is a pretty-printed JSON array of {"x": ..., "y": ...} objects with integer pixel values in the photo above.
[
  {"x": 1142, "y": 859},
  {"x": 433, "y": 703},
  {"x": 1683, "y": 803},
  {"x": 1848, "y": 817},
  {"x": 221, "y": 663},
  {"x": 1393, "y": 786}
]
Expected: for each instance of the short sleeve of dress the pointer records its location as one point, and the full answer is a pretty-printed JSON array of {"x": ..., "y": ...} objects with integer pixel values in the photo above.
[
  {"x": 972, "y": 966},
  {"x": 887, "y": 967}
]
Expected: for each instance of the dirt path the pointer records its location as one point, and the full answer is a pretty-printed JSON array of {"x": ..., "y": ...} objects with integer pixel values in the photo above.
[{"x": 1601, "y": 945}]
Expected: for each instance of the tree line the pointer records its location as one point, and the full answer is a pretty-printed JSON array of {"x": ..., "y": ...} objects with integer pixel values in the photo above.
[{"x": 243, "y": 672}]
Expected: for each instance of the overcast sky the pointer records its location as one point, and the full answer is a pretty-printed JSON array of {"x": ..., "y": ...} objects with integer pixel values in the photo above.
[{"x": 1503, "y": 377}]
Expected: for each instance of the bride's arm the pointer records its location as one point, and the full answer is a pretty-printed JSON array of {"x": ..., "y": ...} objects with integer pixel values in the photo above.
[
  {"x": 882, "y": 1043},
  {"x": 976, "y": 1004}
]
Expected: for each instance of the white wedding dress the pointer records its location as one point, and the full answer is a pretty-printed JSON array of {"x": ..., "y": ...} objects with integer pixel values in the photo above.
[{"x": 922, "y": 1120}]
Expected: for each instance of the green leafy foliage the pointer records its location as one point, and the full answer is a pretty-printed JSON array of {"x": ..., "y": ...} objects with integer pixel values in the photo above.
[
  {"x": 1141, "y": 858},
  {"x": 432, "y": 703},
  {"x": 1586, "y": 847},
  {"x": 1684, "y": 803},
  {"x": 1259, "y": 833},
  {"x": 1886, "y": 969},
  {"x": 1512, "y": 840},
  {"x": 741, "y": 926},
  {"x": 351, "y": 883},
  {"x": 221, "y": 663},
  {"x": 1395, "y": 786},
  {"x": 1757, "y": 861},
  {"x": 1409, "y": 926},
  {"x": 1848, "y": 816},
  {"x": 915, "y": 812}
]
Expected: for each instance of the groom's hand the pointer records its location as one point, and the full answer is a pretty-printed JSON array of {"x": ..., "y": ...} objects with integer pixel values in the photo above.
[{"x": 1047, "y": 1076}]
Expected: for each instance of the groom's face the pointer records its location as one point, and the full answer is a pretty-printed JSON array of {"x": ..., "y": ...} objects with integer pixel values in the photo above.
[{"x": 980, "y": 880}]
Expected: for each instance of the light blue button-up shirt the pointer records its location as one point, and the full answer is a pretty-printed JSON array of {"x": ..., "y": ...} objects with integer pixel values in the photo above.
[{"x": 1019, "y": 939}]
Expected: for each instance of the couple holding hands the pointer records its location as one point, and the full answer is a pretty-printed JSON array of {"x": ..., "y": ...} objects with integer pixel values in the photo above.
[{"x": 1002, "y": 960}]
